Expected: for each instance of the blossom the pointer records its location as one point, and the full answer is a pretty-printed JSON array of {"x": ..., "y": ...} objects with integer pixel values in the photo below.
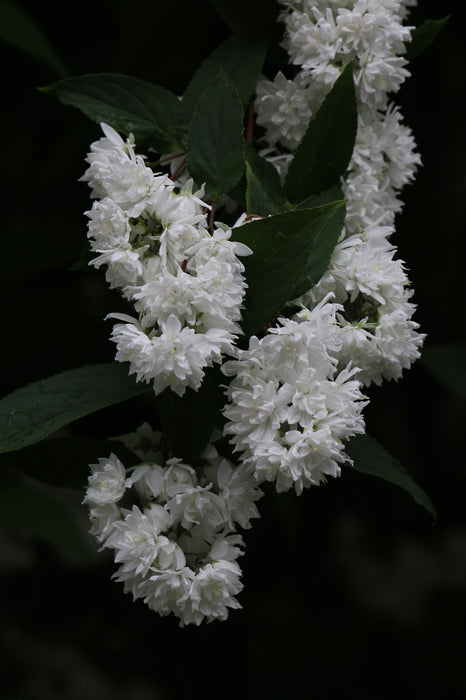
[
  {"x": 107, "y": 482},
  {"x": 176, "y": 547},
  {"x": 289, "y": 408}
]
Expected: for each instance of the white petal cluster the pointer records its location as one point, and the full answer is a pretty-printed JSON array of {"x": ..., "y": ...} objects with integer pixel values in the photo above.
[
  {"x": 322, "y": 38},
  {"x": 185, "y": 282},
  {"x": 378, "y": 334},
  {"x": 291, "y": 408},
  {"x": 173, "y": 528}
]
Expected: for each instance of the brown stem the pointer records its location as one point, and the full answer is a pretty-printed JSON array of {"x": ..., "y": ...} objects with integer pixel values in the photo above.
[
  {"x": 211, "y": 219},
  {"x": 166, "y": 159},
  {"x": 179, "y": 169}
]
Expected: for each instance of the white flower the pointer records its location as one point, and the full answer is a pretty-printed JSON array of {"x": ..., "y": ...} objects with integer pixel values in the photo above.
[
  {"x": 212, "y": 592},
  {"x": 289, "y": 408},
  {"x": 107, "y": 482},
  {"x": 139, "y": 545},
  {"x": 239, "y": 491},
  {"x": 198, "y": 506},
  {"x": 103, "y": 518}
]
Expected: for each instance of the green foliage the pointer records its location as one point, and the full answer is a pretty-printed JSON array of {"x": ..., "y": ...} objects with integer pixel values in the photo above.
[
  {"x": 264, "y": 194},
  {"x": 47, "y": 514},
  {"x": 325, "y": 149},
  {"x": 324, "y": 243},
  {"x": 127, "y": 104},
  {"x": 240, "y": 58},
  {"x": 20, "y": 30},
  {"x": 249, "y": 17},
  {"x": 39, "y": 409},
  {"x": 448, "y": 364},
  {"x": 65, "y": 461},
  {"x": 188, "y": 421},
  {"x": 283, "y": 247},
  {"x": 215, "y": 143},
  {"x": 422, "y": 37},
  {"x": 370, "y": 457}
]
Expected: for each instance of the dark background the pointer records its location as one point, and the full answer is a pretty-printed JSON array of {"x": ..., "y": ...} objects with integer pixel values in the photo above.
[{"x": 348, "y": 588}]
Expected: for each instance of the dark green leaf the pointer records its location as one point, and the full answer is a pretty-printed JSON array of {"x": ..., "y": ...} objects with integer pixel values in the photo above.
[
  {"x": 215, "y": 144},
  {"x": 424, "y": 36},
  {"x": 188, "y": 421},
  {"x": 35, "y": 411},
  {"x": 325, "y": 150},
  {"x": 322, "y": 249},
  {"x": 38, "y": 511},
  {"x": 250, "y": 17},
  {"x": 333, "y": 194},
  {"x": 448, "y": 364},
  {"x": 19, "y": 29},
  {"x": 370, "y": 457},
  {"x": 65, "y": 461},
  {"x": 240, "y": 58},
  {"x": 282, "y": 246},
  {"x": 264, "y": 191},
  {"x": 127, "y": 104}
]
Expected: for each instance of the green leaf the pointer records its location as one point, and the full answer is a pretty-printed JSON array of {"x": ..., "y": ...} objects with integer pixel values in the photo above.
[
  {"x": 35, "y": 411},
  {"x": 251, "y": 17},
  {"x": 20, "y": 30},
  {"x": 448, "y": 364},
  {"x": 38, "y": 511},
  {"x": 369, "y": 457},
  {"x": 424, "y": 36},
  {"x": 65, "y": 461},
  {"x": 215, "y": 148},
  {"x": 325, "y": 149},
  {"x": 241, "y": 60},
  {"x": 127, "y": 104},
  {"x": 319, "y": 257},
  {"x": 188, "y": 421},
  {"x": 283, "y": 246},
  {"x": 264, "y": 194},
  {"x": 333, "y": 194}
]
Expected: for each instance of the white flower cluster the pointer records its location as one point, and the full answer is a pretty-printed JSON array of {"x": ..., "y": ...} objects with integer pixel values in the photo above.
[
  {"x": 295, "y": 396},
  {"x": 290, "y": 407},
  {"x": 172, "y": 528},
  {"x": 186, "y": 283},
  {"x": 321, "y": 38},
  {"x": 379, "y": 335}
]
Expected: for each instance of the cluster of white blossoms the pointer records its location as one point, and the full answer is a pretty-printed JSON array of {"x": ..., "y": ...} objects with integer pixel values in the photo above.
[
  {"x": 172, "y": 528},
  {"x": 379, "y": 335},
  {"x": 295, "y": 394},
  {"x": 186, "y": 283},
  {"x": 291, "y": 407}
]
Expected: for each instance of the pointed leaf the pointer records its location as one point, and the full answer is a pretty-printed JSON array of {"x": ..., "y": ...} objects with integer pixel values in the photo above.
[
  {"x": 282, "y": 245},
  {"x": 264, "y": 191},
  {"x": 188, "y": 420},
  {"x": 19, "y": 29},
  {"x": 215, "y": 149},
  {"x": 333, "y": 194},
  {"x": 369, "y": 457},
  {"x": 127, "y": 104},
  {"x": 322, "y": 249},
  {"x": 240, "y": 58},
  {"x": 424, "y": 36},
  {"x": 325, "y": 150},
  {"x": 448, "y": 364},
  {"x": 35, "y": 411}
]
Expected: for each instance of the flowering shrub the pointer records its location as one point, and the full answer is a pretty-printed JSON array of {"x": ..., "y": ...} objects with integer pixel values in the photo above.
[{"x": 247, "y": 227}]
